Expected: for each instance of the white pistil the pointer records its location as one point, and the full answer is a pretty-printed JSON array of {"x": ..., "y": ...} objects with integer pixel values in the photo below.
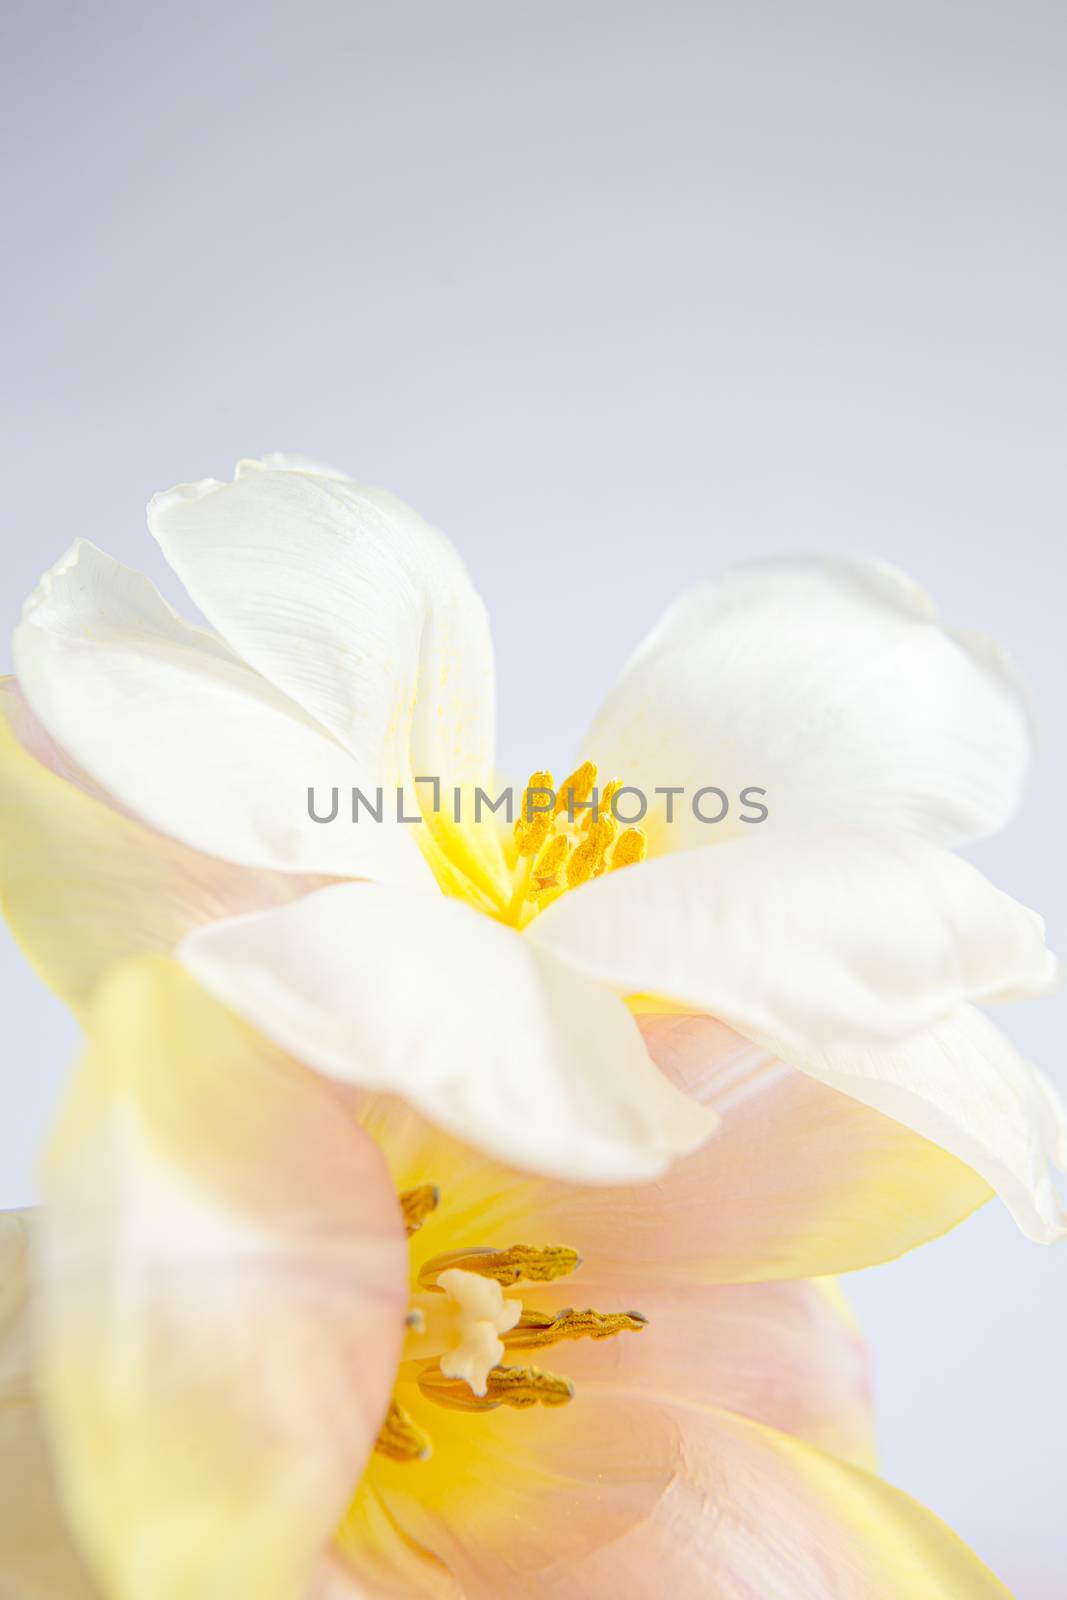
[{"x": 483, "y": 1315}]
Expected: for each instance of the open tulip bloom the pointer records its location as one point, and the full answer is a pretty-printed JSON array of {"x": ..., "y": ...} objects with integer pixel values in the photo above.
[
  {"x": 156, "y": 776},
  {"x": 438, "y": 1210},
  {"x": 291, "y": 1342}
]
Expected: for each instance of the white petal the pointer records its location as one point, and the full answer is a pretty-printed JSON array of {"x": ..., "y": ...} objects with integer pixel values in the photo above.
[
  {"x": 492, "y": 1038},
  {"x": 280, "y": 461},
  {"x": 828, "y": 682},
  {"x": 183, "y": 733},
  {"x": 350, "y": 603},
  {"x": 818, "y": 938},
  {"x": 964, "y": 1086}
]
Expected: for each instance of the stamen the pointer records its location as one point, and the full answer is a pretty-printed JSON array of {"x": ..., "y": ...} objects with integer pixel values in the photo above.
[
  {"x": 604, "y": 803},
  {"x": 577, "y": 789},
  {"x": 519, "y": 1262},
  {"x": 537, "y": 1328},
  {"x": 520, "y": 1387},
  {"x": 417, "y": 1205},
  {"x": 630, "y": 848},
  {"x": 533, "y": 827},
  {"x": 549, "y": 864},
  {"x": 588, "y": 860},
  {"x": 400, "y": 1439}
]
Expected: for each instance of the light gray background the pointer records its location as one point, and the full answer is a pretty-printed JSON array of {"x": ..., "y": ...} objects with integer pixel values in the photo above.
[{"x": 613, "y": 293}]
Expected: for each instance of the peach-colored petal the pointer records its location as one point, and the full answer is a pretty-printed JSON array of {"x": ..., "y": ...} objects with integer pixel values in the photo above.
[
  {"x": 629, "y": 1495},
  {"x": 799, "y": 1181},
  {"x": 224, "y": 1282},
  {"x": 38, "y": 1558},
  {"x": 84, "y": 885},
  {"x": 751, "y": 1514},
  {"x": 509, "y": 1494},
  {"x": 787, "y": 1354}
]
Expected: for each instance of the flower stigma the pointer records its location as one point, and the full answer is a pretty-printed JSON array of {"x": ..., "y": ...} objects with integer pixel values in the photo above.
[{"x": 461, "y": 1329}]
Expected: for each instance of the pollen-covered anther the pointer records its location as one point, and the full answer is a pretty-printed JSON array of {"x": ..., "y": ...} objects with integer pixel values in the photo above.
[
  {"x": 576, "y": 790},
  {"x": 603, "y": 805},
  {"x": 534, "y": 822},
  {"x": 417, "y": 1204},
  {"x": 630, "y": 848},
  {"x": 517, "y": 1264},
  {"x": 399, "y": 1438},
  {"x": 520, "y": 1387},
  {"x": 590, "y": 857},
  {"x": 536, "y": 1328},
  {"x": 548, "y": 867}
]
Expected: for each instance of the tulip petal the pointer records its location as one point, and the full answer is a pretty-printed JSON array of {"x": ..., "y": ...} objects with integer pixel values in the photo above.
[
  {"x": 805, "y": 945},
  {"x": 222, "y": 1301},
  {"x": 828, "y": 682},
  {"x": 536, "y": 1503},
  {"x": 510, "y": 1499},
  {"x": 183, "y": 733},
  {"x": 495, "y": 1040},
  {"x": 352, "y": 605},
  {"x": 85, "y": 886},
  {"x": 753, "y": 1514},
  {"x": 823, "y": 937},
  {"x": 790, "y": 1355},
  {"x": 38, "y": 1558},
  {"x": 799, "y": 1181},
  {"x": 965, "y": 1086},
  {"x": 371, "y": 1559},
  {"x": 628, "y": 1494}
]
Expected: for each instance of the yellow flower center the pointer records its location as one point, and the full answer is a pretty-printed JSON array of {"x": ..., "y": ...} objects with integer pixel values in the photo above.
[
  {"x": 462, "y": 1329},
  {"x": 558, "y": 840}
]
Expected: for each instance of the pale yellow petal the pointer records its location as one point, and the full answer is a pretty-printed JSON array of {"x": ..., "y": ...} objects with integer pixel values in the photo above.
[
  {"x": 224, "y": 1284},
  {"x": 38, "y": 1556},
  {"x": 84, "y": 886}
]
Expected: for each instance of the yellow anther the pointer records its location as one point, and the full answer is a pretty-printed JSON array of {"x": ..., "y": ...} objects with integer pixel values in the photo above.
[
  {"x": 630, "y": 848},
  {"x": 518, "y": 1263},
  {"x": 604, "y": 800},
  {"x": 528, "y": 1386},
  {"x": 588, "y": 859},
  {"x": 417, "y": 1204},
  {"x": 399, "y": 1439},
  {"x": 534, "y": 822},
  {"x": 561, "y": 849},
  {"x": 577, "y": 788},
  {"x": 536, "y": 1328},
  {"x": 521, "y": 1387},
  {"x": 549, "y": 863}
]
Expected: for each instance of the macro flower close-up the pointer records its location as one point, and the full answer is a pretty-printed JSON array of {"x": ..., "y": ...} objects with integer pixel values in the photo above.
[
  {"x": 533, "y": 1053},
  {"x": 269, "y": 1337},
  {"x": 298, "y": 801}
]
